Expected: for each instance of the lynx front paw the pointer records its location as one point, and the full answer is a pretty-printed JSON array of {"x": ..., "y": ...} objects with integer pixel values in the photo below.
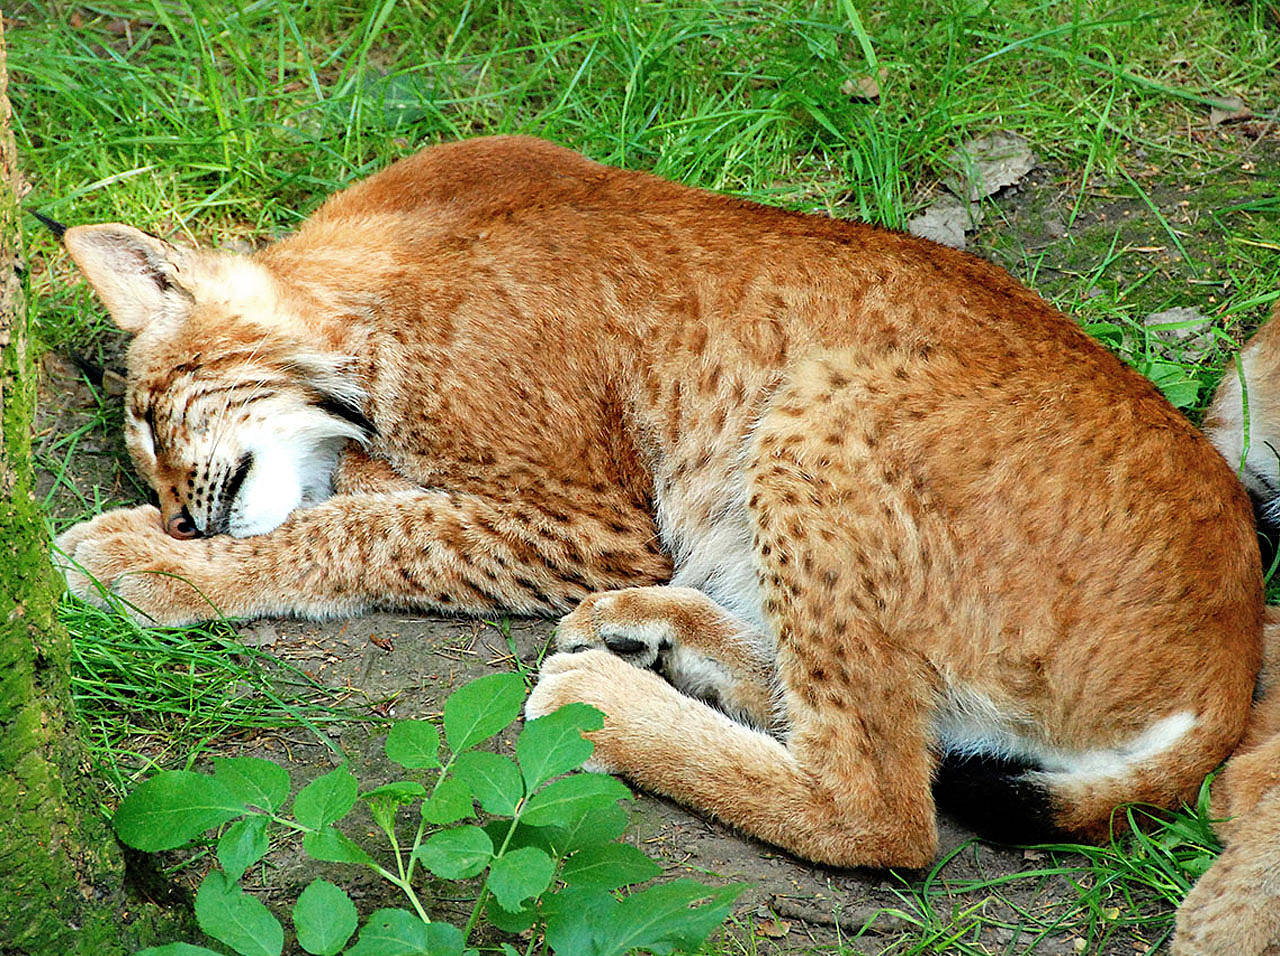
[
  {"x": 626, "y": 623},
  {"x": 127, "y": 554}
]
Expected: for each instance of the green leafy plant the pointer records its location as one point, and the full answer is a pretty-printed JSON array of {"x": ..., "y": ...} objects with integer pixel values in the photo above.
[{"x": 546, "y": 846}]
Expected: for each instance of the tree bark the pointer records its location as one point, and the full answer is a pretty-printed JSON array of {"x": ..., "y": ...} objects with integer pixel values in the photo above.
[{"x": 62, "y": 887}]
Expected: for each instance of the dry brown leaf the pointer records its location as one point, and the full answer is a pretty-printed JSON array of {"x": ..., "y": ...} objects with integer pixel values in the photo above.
[
  {"x": 1229, "y": 109},
  {"x": 946, "y": 221},
  {"x": 987, "y": 164},
  {"x": 773, "y": 928},
  {"x": 865, "y": 87},
  {"x": 113, "y": 383}
]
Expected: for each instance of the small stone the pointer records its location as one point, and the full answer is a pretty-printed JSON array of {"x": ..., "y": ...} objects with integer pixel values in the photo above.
[{"x": 1183, "y": 331}]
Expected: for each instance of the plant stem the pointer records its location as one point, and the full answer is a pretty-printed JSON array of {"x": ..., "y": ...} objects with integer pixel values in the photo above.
[
  {"x": 400, "y": 881},
  {"x": 413, "y": 897},
  {"x": 417, "y": 842},
  {"x": 422, "y": 824},
  {"x": 484, "y": 890}
]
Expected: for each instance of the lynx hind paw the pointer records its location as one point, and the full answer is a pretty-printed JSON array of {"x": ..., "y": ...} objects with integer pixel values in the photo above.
[
  {"x": 589, "y": 677},
  {"x": 613, "y": 621}
]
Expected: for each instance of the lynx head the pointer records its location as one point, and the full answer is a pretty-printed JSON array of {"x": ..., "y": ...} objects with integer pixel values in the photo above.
[{"x": 232, "y": 414}]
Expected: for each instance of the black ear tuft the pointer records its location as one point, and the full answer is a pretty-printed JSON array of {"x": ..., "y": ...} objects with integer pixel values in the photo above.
[
  {"x": 55, "y": 227},
  {"x": 95, "y": 372},
  {"x": 346, "y": 408}
]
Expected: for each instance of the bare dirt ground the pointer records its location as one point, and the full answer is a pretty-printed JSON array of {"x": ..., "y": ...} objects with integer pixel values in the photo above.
[{"x": 400, "y": 666}]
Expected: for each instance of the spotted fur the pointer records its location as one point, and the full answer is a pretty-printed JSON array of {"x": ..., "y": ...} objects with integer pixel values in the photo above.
[{"x": 906, "y": 507}]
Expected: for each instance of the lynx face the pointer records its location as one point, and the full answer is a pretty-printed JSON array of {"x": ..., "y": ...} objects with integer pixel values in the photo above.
[
  {"x": 231, "y": 424},
  {"x": 233, "y": 454}
]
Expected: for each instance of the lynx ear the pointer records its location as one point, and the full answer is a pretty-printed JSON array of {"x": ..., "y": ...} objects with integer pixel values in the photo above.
[{"x": 135, "y": 275}]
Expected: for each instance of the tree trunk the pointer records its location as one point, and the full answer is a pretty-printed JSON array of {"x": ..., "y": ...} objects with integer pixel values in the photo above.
[{"x": 61, "y": 870}]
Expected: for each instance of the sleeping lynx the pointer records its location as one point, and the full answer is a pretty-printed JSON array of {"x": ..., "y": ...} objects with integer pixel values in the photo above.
[{"x": 916, "y": 525}]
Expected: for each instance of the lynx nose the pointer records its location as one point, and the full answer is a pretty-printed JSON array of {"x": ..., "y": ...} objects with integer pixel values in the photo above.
[{"x": 182, "y": 526}]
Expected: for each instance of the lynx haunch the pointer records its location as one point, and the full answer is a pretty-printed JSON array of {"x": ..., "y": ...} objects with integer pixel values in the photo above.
[{"x": 846, "y": 516}]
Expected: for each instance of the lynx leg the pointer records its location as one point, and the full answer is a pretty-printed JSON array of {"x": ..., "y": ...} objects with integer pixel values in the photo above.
[
  {"x": 1233, "y": 907},
  {"x": 1254, "y": 769},
  {"x": 424, "y": 549},
  {"x": 851, "y": 784},
  {"x": 360, "y": 474},
  {"x": 696, "y": 644},
  {"x": 831, "y": 794}
]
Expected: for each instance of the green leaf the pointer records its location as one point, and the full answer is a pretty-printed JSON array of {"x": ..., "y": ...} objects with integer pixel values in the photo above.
[
  {"x": 326, "y": 799},
  {"x": 451, "y": 802},
  {"x": 571, "y": 797},
  {"x": 333, "y": 846},
  {"x": 243, "y": 844},
  {"x": 574, "y": 917},
  {"x": 492, "y": 779},
  {"x": 394, "y": 932},
  {"x": 324, "y": 917},
  {"x": 609, "y": 867},
  {"x": 666, "y": 915},
  {"x": 510, "y": 922},
  {"x": 398, "y": 791},
  {"x": 542, "y": 837},
  {"x": 414, "y": 744},
  {"x": 177, "y": 949},
  {"x": 456, "y": 854},
  {"x": 478, "y": 710},
  {"x": 1178, "y": 387},
  {"x": 385, "y": 800},
  {"x": 232, "y": 916},
  {"x": 257, "y": 782},
  {"x": 592, "y": 827},
  {"x": 659, "y": 919},
  {"x": 173, "y": 808},
  {"x": 518, "y": 875},
  {"x": 554, "y": 744}
]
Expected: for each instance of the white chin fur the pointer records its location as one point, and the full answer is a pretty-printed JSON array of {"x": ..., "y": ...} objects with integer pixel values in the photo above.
[{"x": 289, "y": 471}]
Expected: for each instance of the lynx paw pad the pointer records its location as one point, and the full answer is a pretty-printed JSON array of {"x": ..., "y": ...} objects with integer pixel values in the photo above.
[{"x": 610, "y": 621}]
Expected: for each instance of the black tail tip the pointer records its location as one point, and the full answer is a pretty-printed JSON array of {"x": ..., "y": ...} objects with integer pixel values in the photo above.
[
  {"x": 995, "y": 798},
  {"x": 55, "y": 227}
]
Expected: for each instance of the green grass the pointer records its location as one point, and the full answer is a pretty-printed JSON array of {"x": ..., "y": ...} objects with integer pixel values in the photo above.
[
  {"x": 151, "y": 698},
  {"x": 226, "y": 123}
]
